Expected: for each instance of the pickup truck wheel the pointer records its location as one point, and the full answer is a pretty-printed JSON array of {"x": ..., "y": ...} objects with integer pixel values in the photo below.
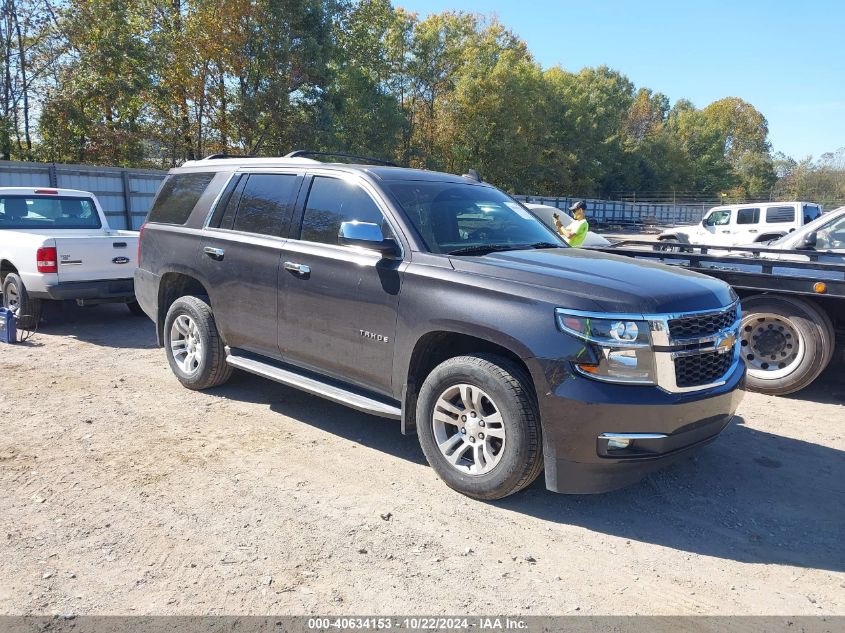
[
  {"x": 668, "y": 245},
  {"x": 479, "y": 427},
  {"x": 785, "y": 344},
  {"x": 193, "y": 346},
  {"x": 27, "y": 310}
]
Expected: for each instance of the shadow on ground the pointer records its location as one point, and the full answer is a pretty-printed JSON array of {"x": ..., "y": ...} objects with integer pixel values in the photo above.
[
  {"x": 751, "y": 496},
  {"x": 108, "y": 325}
]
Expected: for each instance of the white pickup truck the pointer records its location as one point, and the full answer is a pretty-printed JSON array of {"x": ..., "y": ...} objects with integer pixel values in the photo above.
[{"x": 56, "y": 244}]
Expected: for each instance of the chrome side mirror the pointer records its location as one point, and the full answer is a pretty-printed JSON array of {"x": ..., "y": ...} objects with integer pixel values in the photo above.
[{"x": 367, "y": 235}]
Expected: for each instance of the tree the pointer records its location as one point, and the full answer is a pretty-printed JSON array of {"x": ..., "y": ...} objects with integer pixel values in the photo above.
[
  {"x": 744, "y": 132},
  {"x": 96, "y": 113}
]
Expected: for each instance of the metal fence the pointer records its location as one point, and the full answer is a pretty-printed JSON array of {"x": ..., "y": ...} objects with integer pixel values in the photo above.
[
  {"x": 126, "y": 195},
  {"x": 629, "y": 214}
]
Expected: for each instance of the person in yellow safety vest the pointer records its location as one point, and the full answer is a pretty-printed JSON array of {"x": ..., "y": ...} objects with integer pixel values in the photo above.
[{"x": 576, "y": 232}]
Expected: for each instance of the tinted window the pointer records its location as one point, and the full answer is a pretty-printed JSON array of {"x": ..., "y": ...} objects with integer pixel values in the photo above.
[
  {"x": 454, "y": 216},
  {"x": 227, "y": 205},
  {"x": 266, "y": 203},
  {"x": 748, "y": 216},
  {"x": 811, "y": 212},
  {"x": 48, "y": 212},
  {"x": 332, "y": 201},
  {"x": 775, "y": 215},
  {"x": 177, "y": 197}
]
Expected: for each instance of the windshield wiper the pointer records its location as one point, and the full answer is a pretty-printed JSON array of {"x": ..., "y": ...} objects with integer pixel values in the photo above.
[
  {"x": 483, "y": 249},
  {"x": 546, "y": 245}
]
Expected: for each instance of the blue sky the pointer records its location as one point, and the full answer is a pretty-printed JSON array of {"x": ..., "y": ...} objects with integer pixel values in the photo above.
[{"x": 786, "y": 58}]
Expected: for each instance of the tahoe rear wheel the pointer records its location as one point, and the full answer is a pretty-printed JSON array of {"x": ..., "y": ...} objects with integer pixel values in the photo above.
[
  {"x": 27, "y": 310},
  {"x": 786, "y": 343},
  {"x": 479, "y": 427},
  {"x": 193, "y": 346}
]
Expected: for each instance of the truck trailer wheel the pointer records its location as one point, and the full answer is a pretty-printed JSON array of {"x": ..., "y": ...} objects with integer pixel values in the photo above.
[
  {"x": 786, "y": 343},
  {"x": 27, "y": 310},
  {"x": 479, "y": 426},
  {"x": 193, "y": 345}
]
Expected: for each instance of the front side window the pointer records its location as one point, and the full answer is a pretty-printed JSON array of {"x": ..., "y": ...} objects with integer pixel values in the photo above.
[
  {"x": 266, "y": 204},
  {"x": 832, "y": 236},
  {"x": 178, "y": 195},
  {"x": 718, "y": 218},
  {"x": 780, "y": 215},
  {"x": 458, "y": 216},
  {"x": 48, "y": 212},
  {"x": 333, "y": 201},
  {"x": 748, "y": 216}
]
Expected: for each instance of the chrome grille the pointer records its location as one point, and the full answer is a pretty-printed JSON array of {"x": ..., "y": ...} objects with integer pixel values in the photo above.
[
  {"x": 703, "y": 325},
  {"x": 701, "y": 369}
]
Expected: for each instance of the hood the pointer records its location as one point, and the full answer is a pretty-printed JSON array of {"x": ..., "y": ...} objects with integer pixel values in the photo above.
[{"x": 589, "y": 280}]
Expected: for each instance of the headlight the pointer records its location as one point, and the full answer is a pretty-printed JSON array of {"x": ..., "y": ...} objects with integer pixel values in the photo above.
[{"x": 622, "y": 346}]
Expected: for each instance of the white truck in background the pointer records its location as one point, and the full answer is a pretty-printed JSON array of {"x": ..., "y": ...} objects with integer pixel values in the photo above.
[
  {"x": 738, "y": 224},
  {"x": 55, "y": 244}
]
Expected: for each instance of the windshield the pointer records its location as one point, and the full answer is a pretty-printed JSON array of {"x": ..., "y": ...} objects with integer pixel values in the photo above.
[
  {"x": 816, "y": 225},
  {"x": 47, "y": 212},
  {"x": 454, "y": 217}
]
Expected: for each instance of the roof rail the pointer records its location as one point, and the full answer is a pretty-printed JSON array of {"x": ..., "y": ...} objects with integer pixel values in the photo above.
[
  {"x": 300, "y": 153},
  {"x": 216, "y": 156}
]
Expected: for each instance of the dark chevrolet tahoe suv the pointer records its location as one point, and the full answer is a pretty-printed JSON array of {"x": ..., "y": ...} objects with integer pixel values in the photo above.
[{"x": 440, "y": 301}]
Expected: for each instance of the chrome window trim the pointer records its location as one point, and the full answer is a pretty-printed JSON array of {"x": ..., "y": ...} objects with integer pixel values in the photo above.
[
  {"x": 664, "y": 359},
  {"x": 216, "y": 200}
]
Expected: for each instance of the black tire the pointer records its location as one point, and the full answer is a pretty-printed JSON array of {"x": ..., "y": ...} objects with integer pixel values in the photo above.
[
  {"x": 508, "y": 386},
  {"x": 668, "y": 245},
  {"x": 820, "y": 317},
  {"x": 135, "y": 308},
  {"x": 212, "y": 369},
  {"x": 811, "y": 330},
  {"x": 27, "y": 310}
]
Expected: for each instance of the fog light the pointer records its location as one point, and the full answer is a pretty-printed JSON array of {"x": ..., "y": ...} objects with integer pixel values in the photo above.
[{"x": 617, "y": 444}]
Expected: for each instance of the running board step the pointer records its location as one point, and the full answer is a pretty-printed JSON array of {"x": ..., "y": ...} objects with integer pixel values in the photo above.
[{"x": 314, "y": 386}]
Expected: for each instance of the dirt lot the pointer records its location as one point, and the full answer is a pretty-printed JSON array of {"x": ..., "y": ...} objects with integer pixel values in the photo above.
[{"x": 122, "y": 492}]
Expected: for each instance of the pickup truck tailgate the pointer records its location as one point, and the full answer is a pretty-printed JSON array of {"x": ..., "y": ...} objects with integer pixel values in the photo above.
[{"x": 88, "y": 258}]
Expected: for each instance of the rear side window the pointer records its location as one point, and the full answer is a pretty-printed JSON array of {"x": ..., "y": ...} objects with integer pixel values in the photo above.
[
  {"x": 776, "y": 215},
  {"x": 266, "y": 203},
  {"x": 331, "y": 202},
  {"x": 177, "y": 197},
  {"x": 748, "y": 216},
  {"x": 811, "y": 212}
]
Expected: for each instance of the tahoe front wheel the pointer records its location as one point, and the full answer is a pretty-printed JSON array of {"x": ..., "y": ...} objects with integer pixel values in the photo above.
[
  {"x": 193, "y": 346},
  {"x": 479, "y": 426}
]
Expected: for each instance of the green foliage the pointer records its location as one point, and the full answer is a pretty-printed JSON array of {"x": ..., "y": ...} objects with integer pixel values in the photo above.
[{"x": 158, "y": 82}]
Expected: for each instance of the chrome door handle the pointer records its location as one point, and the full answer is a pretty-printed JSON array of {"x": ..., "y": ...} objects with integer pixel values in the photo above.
[
  {"x": 214, "y": 253},
  {"x": 299, "y": 269}
]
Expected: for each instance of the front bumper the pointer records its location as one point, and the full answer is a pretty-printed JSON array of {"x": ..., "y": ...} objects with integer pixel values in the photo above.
[
  {"x": 575, "y": 411},
  {"x": 99, "y": 290}
]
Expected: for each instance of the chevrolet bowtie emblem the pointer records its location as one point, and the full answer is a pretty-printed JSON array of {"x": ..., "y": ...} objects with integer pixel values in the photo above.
[{"x": 725, "y": 343}]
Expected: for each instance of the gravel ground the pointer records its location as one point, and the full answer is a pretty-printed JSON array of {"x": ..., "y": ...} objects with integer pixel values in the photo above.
[{"x": 123, "y": 493}]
